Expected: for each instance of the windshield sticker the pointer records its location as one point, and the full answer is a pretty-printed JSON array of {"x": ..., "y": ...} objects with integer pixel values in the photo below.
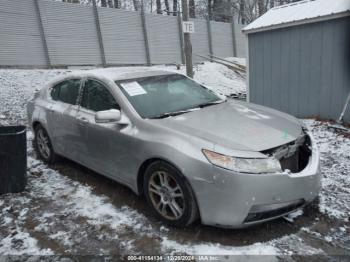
[{"x": 133, "y": 88}]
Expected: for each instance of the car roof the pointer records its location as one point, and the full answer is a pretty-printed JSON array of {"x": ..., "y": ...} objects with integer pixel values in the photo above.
[{"x": 121, "y": 73}]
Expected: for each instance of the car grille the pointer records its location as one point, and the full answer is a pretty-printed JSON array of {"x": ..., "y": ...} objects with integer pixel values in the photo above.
[{"x": 269, "y": 211}]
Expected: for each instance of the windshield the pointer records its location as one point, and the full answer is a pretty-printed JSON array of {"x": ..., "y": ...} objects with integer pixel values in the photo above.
[{"x": 156, "y": 96}]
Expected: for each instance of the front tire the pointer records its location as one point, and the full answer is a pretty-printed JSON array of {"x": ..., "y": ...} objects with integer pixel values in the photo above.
[
  {"x": 169, "y": 195},
  {"x": 43, "y": 146}
]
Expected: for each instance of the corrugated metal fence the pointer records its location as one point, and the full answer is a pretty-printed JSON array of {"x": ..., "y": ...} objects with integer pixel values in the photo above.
[{"x": 46, "y": 33}]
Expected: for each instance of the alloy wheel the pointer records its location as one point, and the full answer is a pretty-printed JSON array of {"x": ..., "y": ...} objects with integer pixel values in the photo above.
[
  {"x": 166, "y": 195},
  {"x": 43, "y": 143}
]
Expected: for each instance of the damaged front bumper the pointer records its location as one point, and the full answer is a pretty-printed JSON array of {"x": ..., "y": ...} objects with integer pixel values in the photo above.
[{"x": 237, "y": 200}]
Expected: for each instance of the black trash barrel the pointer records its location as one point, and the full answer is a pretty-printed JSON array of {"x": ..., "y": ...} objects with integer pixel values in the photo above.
[{"x": 13, "y": 159}]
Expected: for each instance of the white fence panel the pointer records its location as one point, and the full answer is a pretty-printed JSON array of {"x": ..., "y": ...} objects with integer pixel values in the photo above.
[
  {"x": 222, "y": 39},
  {"x": 164, "y": 39},
  {"x": 200, "y": 41},
  {"x": 71, "y": 34},
  {"x": 122, "y": 36},
  {"x": 20, "y": 39},
  {"x": 240, "y": 40}
]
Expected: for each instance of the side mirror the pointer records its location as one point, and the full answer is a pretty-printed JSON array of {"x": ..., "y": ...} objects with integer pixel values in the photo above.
[{"x": 108, "y": 116}]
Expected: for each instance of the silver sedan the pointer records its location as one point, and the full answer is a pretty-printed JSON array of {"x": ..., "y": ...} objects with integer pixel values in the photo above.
[{"x": 189, "y": 151}]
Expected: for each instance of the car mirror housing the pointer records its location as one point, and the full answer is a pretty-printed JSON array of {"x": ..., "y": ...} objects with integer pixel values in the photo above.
[{"x": 108, "y": 116}]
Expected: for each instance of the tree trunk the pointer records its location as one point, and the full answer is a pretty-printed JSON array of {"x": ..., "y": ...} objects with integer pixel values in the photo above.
[
  {"x": 174, "y": 7},
  {"x": 242, "y": 11},
  {"x": 167, "y": 7},
  {"x": 159, "y": 6},
  {"x": 272, "y": 3},
  {"x": 103, "y": 3},
  {"x": 218, "y": 10},
  {"x": 261, "y": 8},
  {"x": 210, "y": 9},
  {"x": 192, "y": 9},
  {"x": 116, "y": 4},
  {"x": 136, "y": 5}
]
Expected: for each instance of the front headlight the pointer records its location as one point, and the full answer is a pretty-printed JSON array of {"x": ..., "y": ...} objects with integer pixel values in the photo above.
[{"x": 243, "y": 165}]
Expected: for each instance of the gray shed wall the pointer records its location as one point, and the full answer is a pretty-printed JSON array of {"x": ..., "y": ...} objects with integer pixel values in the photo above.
[{"x": 302, "y": 70}]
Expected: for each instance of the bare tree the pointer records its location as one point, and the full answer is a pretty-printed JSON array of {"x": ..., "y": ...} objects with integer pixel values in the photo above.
[
  {"x": 261, "y": 7},
  {"x": 159, "y": 6},
  {"x": 174, "y": 7},
  {"x": 117, "y": 4},
  {"x": 103, "y": 3},
  {"x": 192, "y": 8},
  {"x": 167, "y": 7},
  {"x": 242, "y": 11},
  {"x": 110, "y": 3},
  {"x": 210, "y": 9},
  {"x": 221, "y": 10},
  {"x": 136, "y": 4}
]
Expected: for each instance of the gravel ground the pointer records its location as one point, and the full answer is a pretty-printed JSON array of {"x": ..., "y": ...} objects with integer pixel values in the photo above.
[{"x": 67, "y": 209}]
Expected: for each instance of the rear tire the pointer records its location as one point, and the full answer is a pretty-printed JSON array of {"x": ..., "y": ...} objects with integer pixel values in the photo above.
[
  {"x": 169, "y": 195},
  {"x": 43, "y": 146}
]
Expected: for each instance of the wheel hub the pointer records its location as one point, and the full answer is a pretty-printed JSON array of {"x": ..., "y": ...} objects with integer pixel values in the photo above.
[{"x": 165, "y": 195}]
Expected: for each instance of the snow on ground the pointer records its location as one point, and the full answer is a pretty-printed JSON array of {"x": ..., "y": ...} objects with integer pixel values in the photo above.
[
  {"x": 60, "y": 214},
  {"x": 335, "y": 197},
  {"x": 216, "y": 249},
  {"x": 216, "y": 76}
]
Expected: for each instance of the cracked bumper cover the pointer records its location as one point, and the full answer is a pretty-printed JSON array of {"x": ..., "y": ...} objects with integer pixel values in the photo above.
[{"x": 232, "y": 199}]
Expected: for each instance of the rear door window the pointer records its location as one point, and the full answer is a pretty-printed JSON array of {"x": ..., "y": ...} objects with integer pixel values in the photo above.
[
  {"x": 96, "y": 97},
  {"x": 66, "y": 91}
]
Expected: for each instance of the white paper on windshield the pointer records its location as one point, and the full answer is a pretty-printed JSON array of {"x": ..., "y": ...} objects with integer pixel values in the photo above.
[{"x": 133, "y": 88}]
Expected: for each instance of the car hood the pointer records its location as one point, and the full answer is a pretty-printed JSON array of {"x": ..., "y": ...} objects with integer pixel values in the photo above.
[{"x": 237, "y": 125}]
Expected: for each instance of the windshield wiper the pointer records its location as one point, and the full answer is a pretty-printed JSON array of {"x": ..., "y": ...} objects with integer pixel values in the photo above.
[
  {"x": 165, "y": 115},
  {"x": 211, "y": 103},
  {"x": 171, "y": 114}
]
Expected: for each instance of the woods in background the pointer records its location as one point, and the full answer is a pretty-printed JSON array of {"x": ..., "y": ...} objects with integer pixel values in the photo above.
[{"x": 245, "y": 11}]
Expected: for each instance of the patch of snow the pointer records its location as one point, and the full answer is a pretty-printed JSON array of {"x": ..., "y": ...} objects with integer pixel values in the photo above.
[
  {"x": 238, "y": 60},
  {"x": 328, "y": 239},
  {"x": 80, "y": 199},
  {"x": 309, "y": 231},
  {"x": 63, "y": 237},
  {"x": 6, "y": 221},
  {"x": 216, "y": 249},
  {"x": 21, "y": 243},
  {"x": 294, "y": 245},
  {"x": 335, "y": 167},
  {"x": 215, "y": 76},
  {"x": 23, "y": 213},
  {"x": 299, "y": 11}
]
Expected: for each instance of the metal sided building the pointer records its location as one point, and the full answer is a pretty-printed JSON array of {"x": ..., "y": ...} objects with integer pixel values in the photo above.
[{"x": 299, "y": 58}]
